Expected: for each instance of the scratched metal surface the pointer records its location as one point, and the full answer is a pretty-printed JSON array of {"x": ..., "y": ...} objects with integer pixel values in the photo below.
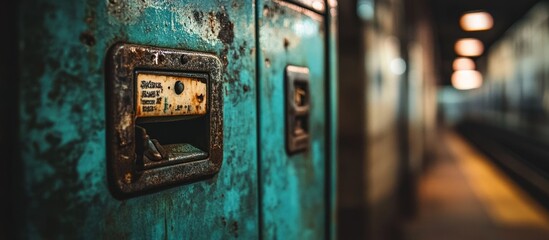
[
  {"x": 292, "y": 188},
  {"x": 64, "y": 190}
]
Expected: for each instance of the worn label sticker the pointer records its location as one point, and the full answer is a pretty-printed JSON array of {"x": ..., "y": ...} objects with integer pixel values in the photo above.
[{"x": 165, "y": 95}]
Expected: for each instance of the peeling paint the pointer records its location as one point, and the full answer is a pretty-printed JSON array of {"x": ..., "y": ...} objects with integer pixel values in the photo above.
[{"x": 63, "y": 120}]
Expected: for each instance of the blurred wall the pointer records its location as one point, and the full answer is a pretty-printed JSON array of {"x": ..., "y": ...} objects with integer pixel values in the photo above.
[
  {"x": 419, "y": 100},
  {"x": 352, "y": 191},
  {"x": 383, "y": 89},
  {"x": 515, "y": 92},
  {"x": 387, "y": 113}
]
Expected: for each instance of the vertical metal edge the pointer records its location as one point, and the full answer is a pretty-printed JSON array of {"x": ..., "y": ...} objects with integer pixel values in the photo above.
[
  {"x": 11, "y": 185},
  {"x": 405, "y": 178},
  {"x": 258, "y": 71},
  {"x": 310, "y": 5},
  {"x": 331, "y": 118},
  {"x": 288, "y": 87},
  {"x": 112, "y": 170},
  {"x": 216, "y": 117}
]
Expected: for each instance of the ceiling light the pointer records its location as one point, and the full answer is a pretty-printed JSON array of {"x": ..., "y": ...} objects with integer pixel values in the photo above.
[
  {"x": 365, "y": 9},
  {"x": 476, "y": 21},
  {"x": 397, "y": 66},
  {"x": 318, "y": 5},
  {"x": 466, "y": 79},
  {"x": 463, "y": 63},
  {"x": 469, "y": 47}
]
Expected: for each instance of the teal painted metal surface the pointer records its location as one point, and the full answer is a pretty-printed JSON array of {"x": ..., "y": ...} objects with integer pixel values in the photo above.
[
  {"x": 292, "y": 188},
  {"x": 332, "y": 112},
  {"x": 62, "y": 176},
  {"x": 62, "y": 120}
]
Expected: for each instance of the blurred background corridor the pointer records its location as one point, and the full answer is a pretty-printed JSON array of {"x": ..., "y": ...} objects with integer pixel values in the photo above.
[
  {"x": 275, "y": 119},
  {"x": 448, "y": 119}
]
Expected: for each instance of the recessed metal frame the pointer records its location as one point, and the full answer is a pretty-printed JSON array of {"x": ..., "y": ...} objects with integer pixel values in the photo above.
[
  {"x": 122, "y": 63},
  {"x": 296, "y": 75}
]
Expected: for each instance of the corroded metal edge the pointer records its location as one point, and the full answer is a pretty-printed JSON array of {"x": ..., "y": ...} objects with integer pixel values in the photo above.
[
  {"x": 122, "y": 61},
  {"x": 318, "y": 6}
]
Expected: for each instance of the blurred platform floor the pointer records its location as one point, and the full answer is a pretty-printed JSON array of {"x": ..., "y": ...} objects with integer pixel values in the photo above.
[{"x": 463, "y": 195}]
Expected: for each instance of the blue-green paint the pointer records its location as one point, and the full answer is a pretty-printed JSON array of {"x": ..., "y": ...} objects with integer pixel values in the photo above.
[
  {"x": 293, "y": 204},
  {"x": 63, "y": 178},
  {"x": 62, "y": 50},
  {"x": 332, "y": 102}
]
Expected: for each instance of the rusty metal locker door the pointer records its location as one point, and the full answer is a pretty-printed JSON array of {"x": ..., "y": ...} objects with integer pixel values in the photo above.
[
  {"x": 97, "y": 80},
  {"x": 63, "y": 178},
  {"x": 293, "y": 113}
]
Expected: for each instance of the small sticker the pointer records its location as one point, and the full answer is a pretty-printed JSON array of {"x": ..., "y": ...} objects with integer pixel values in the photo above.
[{"x": 165, "y": 95}]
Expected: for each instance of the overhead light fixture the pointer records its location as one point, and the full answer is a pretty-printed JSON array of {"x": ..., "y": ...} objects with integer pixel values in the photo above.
[
  {"x": 463, "y": 63},
  {"x": 466, "y": 79},
  {"x": 366, "y": 9},
  {"x": 476, "y": 21},
  {"x": 318, "y": 5},
  {"x": 397, "y": 66},
  {"x": 469, "y": 47}
]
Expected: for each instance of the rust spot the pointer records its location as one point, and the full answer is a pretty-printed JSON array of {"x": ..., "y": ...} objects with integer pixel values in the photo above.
[
  {"x": 223, "y": 221},
  {"x": 197, "y": 16},
  {"x": 87, "y": 38},
  {"x": 234, "y": 228},
  {"x": 200, "y": 98},
  {"x": 271, "y": 10},
  {"x": 62, "y": 86},
  {"x": 235, "y": 55},
  {"x": 184, "y": 59},
  {"x": 76, "y": 108},
  {"x": 242, "y": 48},
  {"x": 246, "y": 88},
  {"x": 211, "y": 21},
  {"x": 286, "y": 43},
  {"x": 128, "y": 178},
  {"x": 226, "y": 33},
  {"x": 161, "y": 58},
  {"x": 53, "y": 139},
  {"x": 224, "y": 59},
  {"x": 126, "y": 11}
]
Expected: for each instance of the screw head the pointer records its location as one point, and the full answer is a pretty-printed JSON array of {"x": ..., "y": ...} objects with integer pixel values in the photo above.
[
  {"x": 184, "y": 59},
  {"x": 179, "y": 87}
]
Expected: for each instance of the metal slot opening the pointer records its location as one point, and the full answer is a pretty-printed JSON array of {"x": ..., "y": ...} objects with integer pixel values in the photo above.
[{"x": 176, "y": 142}]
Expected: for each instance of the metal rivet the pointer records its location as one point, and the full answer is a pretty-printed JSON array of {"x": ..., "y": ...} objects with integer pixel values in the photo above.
[
  {"x": 161, "y": 58},
  {"x": 179, "y": 87},
  {"x": 184, "y": 59}
]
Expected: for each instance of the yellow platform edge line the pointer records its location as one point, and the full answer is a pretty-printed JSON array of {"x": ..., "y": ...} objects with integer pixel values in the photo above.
[{"x": 506, "y": 204}]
